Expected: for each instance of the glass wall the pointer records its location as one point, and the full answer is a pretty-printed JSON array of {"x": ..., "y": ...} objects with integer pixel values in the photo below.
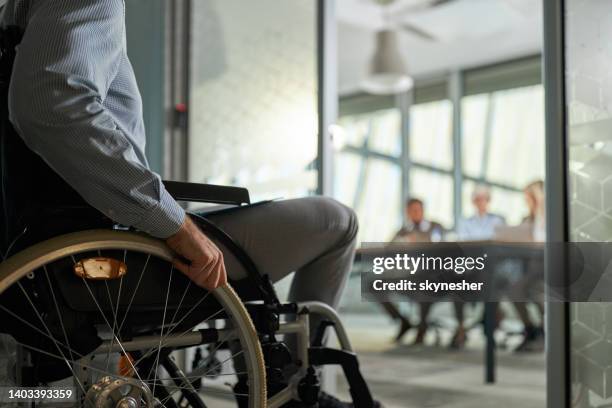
[
  {"x": 367, "y": 171},
  {"x": 503, "y": 145},
  {"x": 589, "y": 125},
  {"x": 431, "y": 155},
  {"x": 253, "y": 102},
  {"x": 411, "y": 149}
]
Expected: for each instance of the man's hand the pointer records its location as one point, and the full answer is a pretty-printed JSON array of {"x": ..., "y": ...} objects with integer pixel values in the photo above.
[{"x": 206, "y": 267}]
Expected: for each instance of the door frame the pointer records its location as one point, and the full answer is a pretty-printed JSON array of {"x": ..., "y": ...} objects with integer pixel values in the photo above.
[
  {"x": 558, "y": 383},
  {"x": 178, "y": 45}
]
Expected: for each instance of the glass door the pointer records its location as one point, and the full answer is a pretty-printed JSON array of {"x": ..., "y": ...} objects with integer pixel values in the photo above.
[
  {"x": 588, "y": 122},
  {"x": 253, "y": 105}
]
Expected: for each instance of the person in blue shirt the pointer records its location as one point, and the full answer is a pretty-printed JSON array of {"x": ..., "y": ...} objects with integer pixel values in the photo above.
[{"x": 479, "y": 227}]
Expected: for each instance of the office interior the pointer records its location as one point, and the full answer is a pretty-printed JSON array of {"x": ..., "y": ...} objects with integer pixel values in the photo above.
[
  {"x": 279, "y": 103},
  {"x": 279, "y": 96}
]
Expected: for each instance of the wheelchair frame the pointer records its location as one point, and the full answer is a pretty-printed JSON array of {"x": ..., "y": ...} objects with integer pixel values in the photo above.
[
  {"x": 309, "y": 355},
  {"x": 266, "y": 316}
]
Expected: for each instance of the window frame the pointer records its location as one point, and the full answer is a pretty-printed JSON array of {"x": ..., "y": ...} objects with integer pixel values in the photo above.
[{"x": 453, "y": 86}]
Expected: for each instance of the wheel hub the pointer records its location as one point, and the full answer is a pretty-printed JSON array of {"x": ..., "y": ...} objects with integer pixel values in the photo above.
[{"x": 111, "y": 392}]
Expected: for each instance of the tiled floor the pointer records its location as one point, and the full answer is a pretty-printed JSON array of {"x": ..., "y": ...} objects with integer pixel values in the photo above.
[{"x": 432, "y": 376}]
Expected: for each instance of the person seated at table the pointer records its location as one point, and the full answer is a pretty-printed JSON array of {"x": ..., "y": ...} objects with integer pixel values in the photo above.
[
  {"x": 533, "y": 339},
  {"x": 479, "y": 227},
  {"x": 417, "y": 229}
]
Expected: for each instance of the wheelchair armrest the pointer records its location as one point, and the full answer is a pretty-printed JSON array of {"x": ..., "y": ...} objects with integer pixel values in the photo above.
[{"x": 207, "y": 193}]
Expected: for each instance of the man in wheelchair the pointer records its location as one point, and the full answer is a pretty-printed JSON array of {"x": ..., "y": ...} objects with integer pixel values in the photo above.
[{"x": 104, "y": 306}]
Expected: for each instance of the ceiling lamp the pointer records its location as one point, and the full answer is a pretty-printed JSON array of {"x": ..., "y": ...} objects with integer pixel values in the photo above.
[{"x": 388, "y": 74}]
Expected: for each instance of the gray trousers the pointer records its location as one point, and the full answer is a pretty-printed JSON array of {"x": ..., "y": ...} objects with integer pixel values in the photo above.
[{"x": 314, "y": 237}]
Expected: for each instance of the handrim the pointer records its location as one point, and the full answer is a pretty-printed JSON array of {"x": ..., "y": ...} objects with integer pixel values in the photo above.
[{"x": 22, "y": 263}]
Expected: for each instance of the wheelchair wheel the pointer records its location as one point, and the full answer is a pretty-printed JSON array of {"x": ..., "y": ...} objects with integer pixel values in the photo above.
[{"x": 106, "y": 314}]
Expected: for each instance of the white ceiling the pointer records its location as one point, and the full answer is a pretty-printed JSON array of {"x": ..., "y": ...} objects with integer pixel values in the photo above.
[{"x": 467, "y": 33}]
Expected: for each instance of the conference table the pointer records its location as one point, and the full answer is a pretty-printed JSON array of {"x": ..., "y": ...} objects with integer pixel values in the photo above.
[{"x": 496, "y": 251}]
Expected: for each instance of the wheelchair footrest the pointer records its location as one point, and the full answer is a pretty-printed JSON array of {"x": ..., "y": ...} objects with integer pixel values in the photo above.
[{"x": 360, "y": 393}]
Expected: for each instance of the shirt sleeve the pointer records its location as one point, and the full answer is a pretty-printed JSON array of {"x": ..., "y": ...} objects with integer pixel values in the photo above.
[{"x": 66, "y": 62}]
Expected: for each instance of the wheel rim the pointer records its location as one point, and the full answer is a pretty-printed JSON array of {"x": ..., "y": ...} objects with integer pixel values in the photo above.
[{"x": 13, "y": 270}]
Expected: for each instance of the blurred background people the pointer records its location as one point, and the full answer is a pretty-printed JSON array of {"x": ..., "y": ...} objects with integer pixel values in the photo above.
[
  {"x": 479, "y": 227},
  {"x": 417, "y": 229},
  {"x": 534, "y": 198},
  {"x": 532, "y": 278}
]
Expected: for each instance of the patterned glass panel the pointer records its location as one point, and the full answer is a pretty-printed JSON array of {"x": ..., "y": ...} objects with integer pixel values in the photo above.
[
  {"x": 253, "y": 113},
  {"x": 589, "y": 110}
]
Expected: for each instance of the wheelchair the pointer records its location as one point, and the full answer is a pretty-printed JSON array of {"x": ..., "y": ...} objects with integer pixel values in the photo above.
[{"x": 93, "y": 314}]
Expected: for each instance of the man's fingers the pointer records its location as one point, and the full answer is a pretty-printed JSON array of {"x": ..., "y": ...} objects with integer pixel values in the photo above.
[
  {"x": 181, "y": 266},
  {"x": 217, "y": 263},
  {"x": 221, "y": 272},
  {"x": 223, "y": 277},
  {"x": 212, "y": 278},
  {"x": 200, "y": 259},
  {"x": 210, "y": 258},
  {"x": 216, "y": 276}
]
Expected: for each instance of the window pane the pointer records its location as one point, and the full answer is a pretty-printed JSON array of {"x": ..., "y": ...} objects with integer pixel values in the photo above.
[
  {"x": 360, "y": 188},
  {"x": 385, "y": 133},
  {"x": 509, "y": 204},
  {"x": 431, "y": 139},
  {"x": 474, "y": 111},
  {"x": 347, "y": 168},
  {"x": 436, "y": 191},
  {"x": 380, "y": 198},
  {"x": 381, "y": 129},
  {"x": 253, "y": 113},
  {"x": 355, "y": 129},
  {"x": 358, "y": 171},
  {"x": 516, "y": 156},
  {"x": 466, "y": 200}
]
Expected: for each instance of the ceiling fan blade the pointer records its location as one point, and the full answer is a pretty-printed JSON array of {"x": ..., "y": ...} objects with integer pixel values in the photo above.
[{"x": 417, "y": 32}]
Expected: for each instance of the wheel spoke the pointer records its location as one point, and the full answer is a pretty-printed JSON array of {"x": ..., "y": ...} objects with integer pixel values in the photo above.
[
  {"x": 42, "y": 321},
  {"x": 162, "y": 330},
  {"x": 198, "y": 376},
  {"x": 209, "y": 390},
  {"x": 180, "y": 303},
  {"x": 59, "y": 314},
  {"x": 76, "y": 362},
  {"x": 115, "y": 315},
  {"x": 224, "y": 361},
  {"x": 149, "y": 343},
  {"x": 165, "y": 342},
  {"x": 109, "y": 326},
  {"x": 22, "y": 320},
  {"x": 127, "y": 311}
]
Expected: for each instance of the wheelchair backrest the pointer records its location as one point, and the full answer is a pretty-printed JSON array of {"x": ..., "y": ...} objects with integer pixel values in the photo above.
[
  {"x": 9, "y": 39},
  {"x": 29, "y": 188}
]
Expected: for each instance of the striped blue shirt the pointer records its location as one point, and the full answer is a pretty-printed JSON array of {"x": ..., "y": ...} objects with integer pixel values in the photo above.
[{"x": 74, "y": 100}]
